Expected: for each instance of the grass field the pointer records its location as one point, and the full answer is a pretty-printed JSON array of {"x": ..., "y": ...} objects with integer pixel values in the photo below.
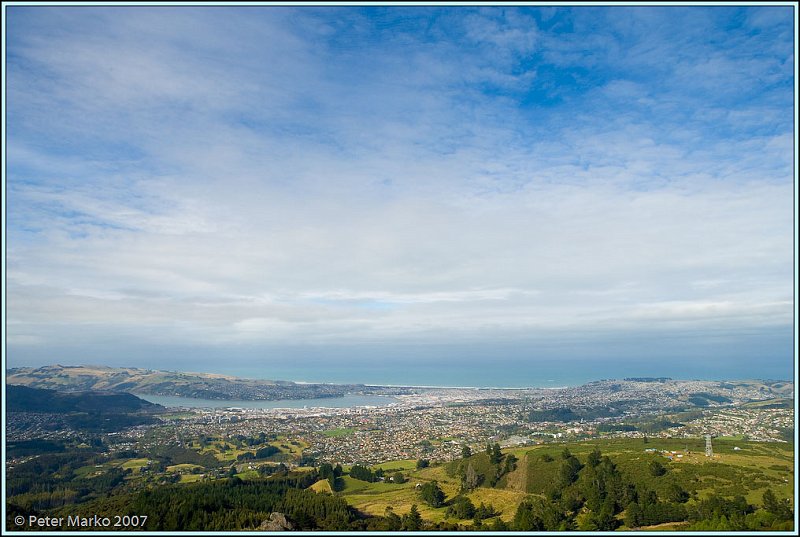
[
  {"x": 374, "y": 498},
  {"x": 401, "y": 465},
  {"x": 93, "y": 470},
  {"x": 248, "y": 474},
  {"x": 226, "y": 451},
  {"x": 90, "y": 470},
  {"x": 323, "y": 485},
  {"x": 222, "y": 450},
  {"x": 770, "y": 403},
  {"x": 749, "y": 470},
  {"x": 135, "y": 463},
  {"x": 185, "y": 467},
  {"x": 342, "y": 431},
  {"x": 505, "y": 501},
  {"x": 190, "y": 478}
]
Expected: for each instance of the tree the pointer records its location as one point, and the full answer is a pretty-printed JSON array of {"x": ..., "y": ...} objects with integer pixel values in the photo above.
[
  {"x": 770, "y": 501},
  {"x": 605, "y": 519},
  {"x": 326, "y": 470},
  {"x": 510, "y": 463},
  {"x": 484, "y": 511},
  {"x": 780, "y": 508},
  {"x": 398, "y": 478},
  {"x": 423, "y": 463},
  {"x": 537, "y": 515},
  {"x": 569, "y": 470},
  {"x": 432, "y": 494},
  {"x": 675, "y": 493},
  {"x": 629, "y": 494},
  {"x": 657, "y": 469},
  {"x": 649, "y": 497},
  {"x": 265, "y": 452},
  {"x": 412, "y": 521},
  {"x": 498, "y": 525},
  {"x": 466, "y": 452},
  {"x": 461, "y": 507},
  {"x": 471, "y": 478},
  {"x": 633, "y": 515},
  {"x": 571, "y": 501},
  {"x": 393, "y": 521},
  {"x": 594, "y": 458},
  {"x": 362, "y": 473},
  {"x": 496, "y": 455},
  {"x": 524, "y": 520}
]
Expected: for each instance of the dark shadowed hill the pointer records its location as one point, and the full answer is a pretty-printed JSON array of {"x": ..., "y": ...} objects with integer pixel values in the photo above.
[{"x": 25, "y": 399}]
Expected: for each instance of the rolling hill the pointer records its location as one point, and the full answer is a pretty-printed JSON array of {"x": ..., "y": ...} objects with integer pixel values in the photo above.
[{"x": 152, "y": 382}]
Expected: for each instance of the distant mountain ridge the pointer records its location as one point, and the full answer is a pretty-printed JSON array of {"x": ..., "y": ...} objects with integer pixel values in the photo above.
[{"x": 170, "y": 383}]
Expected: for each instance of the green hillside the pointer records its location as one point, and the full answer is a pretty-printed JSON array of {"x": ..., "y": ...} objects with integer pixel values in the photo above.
[
  {"x": 605, "y": 489},
  {"x": 609, "y": 484}
]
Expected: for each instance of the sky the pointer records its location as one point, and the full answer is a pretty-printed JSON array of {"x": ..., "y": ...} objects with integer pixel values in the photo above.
[{"x": 213, "y": 188}]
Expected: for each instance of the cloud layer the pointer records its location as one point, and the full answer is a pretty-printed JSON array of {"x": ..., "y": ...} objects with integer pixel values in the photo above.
[{"x": 339, "y": 176}]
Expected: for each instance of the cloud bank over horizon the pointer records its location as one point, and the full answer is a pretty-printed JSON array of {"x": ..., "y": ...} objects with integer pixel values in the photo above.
[{"x": 547, "y": 181}]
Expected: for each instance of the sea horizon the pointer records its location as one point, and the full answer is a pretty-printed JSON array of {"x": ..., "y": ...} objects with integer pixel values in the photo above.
[
  {"x": 544, "y": 376},
  {"x": 500, "y": 375}
]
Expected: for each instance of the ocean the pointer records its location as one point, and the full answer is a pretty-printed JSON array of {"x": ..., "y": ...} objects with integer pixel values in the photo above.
[{"x": 507, "y": 374}]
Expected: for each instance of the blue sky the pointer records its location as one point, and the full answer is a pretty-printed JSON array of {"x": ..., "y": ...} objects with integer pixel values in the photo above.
[{"x": 236, "y": 185}]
